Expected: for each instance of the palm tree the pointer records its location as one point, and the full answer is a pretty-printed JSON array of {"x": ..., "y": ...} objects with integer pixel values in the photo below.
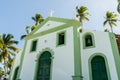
[
  {"x": 33, "y": 27},
  {"x": 111, "y": 19},
  {"x": 38, "y": 19},
  {"x": 82, "y": 14},
  {"x": 10, "y": 62},
  {"x": 1, "y": 72},
  {"x": 28, "y": 30},
  {"x": 7, "y": 49}
]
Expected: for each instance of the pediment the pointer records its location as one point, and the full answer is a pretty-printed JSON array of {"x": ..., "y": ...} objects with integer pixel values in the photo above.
[{"x": 49, "y": 25}]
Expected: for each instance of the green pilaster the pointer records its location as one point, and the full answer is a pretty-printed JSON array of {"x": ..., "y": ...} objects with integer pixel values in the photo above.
[
  {"x": 115, "y": 53},
  {"x": 21, "y": 61},
  {"x": 68, "y": 24},
  {"x": 77, "y": 55}
]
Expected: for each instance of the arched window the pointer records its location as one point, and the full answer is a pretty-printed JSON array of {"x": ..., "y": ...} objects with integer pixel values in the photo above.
[
  {"x": 15, "y": 73},
  {"x": 44, "y": 66},
  {"x": 88, "y": 40},
  {"x": 98, "y": 66}
]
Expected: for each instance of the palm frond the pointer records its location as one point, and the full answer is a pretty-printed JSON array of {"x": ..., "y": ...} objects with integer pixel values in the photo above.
[
  {"x": 12, "y": 53},
  {"x": 81, "y": 12},
  {"x": 114, "y": 16},
  {"x": 106, "y": 30},
  {"x": 85, "y": 18},
  {"x": 28, "y": 29},
  {"x": 33, "y": 18},
  {"x": 77, "y": 7},
  {"x": 34, "y": 27},
  {"x": 114, "y": 20},
  {"x": 1, "y": 58},
  {"x": 77, "y": 15},
  {"x": 22, "y": 37},
  {"x": 113, "y": 24},
  {"x": 111, "y": 18},
  {"x": 41, "y": 20},
  {"x": 105, "y": 22},
  {"x": 13, "y": 48},
  {"x": 86, "y": 14},
  {"x": 110, "y": 24},
  {"x": 12, "y": 42}
]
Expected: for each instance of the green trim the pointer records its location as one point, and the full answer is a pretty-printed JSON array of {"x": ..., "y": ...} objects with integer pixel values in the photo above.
[
  {"x": 93, "y": 40},
  {"x": 75, "y": 22},
  {"x": 48, "y": 31},
  {"x": 115, "y": 53},
  {"x": 69, "y": 23},
  {"x": 106, "y": 64},
  {"x": 77, "y": 55},
  {"x": 32, "y": 45},
  {"x": 21, "y": 59},
  {"x": 57, "y": 39},
  {"x": 37, "y": 60}
]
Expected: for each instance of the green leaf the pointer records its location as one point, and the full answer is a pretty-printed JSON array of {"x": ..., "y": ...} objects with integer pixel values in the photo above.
[
  {"x": 77, "y": 7},
  {"x": 85, "y": 18},
  {"x": 77, "y": 15},
  {"x": 114, "y": 20},
  {"x": 23, "y": 36},
  {"x": 106, "y": 30},
  {"x": 113, "y": 24},
  {"x": 105, "y": 22}
]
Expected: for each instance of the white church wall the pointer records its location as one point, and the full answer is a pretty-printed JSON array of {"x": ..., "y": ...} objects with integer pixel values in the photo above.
[
  {"x": 63, "y": 56},
  {"x": 63, "y": 65},
  {"x": 28, "y": 63},
  {"x": 102, "y": 46},
  {"x": 63, "y": 62}
]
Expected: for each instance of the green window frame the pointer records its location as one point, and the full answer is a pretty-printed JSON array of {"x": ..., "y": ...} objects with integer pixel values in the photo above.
[
  {"x": 88, "y": 40},
  {"x": 61, "y": 38},
  {"x": 33, "y": 45}
]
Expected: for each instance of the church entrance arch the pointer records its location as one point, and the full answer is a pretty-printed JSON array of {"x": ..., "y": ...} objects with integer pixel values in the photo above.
[
  {"x": 98, "y": 68},
  {"x": 44, "y": 66}
]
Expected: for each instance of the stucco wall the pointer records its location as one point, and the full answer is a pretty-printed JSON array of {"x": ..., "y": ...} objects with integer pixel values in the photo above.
[
  {"x": 63, "y": 61},
  {"x": 102, "y": 47}
]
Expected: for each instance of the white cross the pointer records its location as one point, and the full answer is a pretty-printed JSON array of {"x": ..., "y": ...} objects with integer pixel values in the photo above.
[{"x": 51, "y": 13}]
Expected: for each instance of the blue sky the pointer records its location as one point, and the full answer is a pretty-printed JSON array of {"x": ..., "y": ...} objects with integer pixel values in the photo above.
[{"x": 15, "y": 15}]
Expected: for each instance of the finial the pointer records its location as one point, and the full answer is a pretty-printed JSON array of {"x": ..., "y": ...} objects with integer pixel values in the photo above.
[{"x": 51, "y": 13}]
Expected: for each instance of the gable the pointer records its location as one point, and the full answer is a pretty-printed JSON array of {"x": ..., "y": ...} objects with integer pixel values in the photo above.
[
  {"x": 52, "y": 24},
  {"x": 49, "y": 25}
]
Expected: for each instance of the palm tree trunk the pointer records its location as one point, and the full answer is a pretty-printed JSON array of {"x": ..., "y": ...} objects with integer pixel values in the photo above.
[
  {"x": 81, "y": 22},
  {"x": 5, "y": 68},
  {"x": 111, "y": 27}
]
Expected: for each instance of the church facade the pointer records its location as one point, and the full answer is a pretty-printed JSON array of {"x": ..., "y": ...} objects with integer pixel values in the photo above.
[{"x": 57, "y": 50}]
